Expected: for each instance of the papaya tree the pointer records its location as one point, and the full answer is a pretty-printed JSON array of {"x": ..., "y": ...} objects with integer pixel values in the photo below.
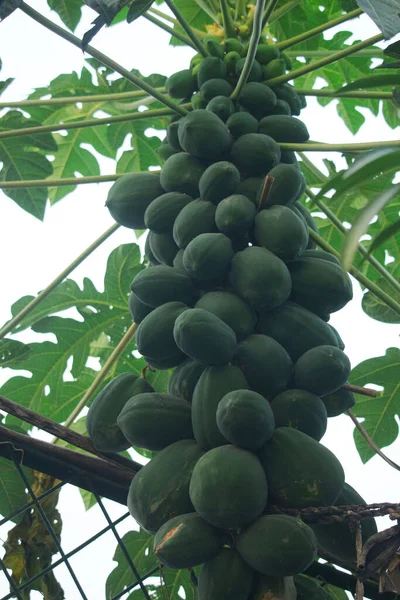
[{"x": 197, "y": 387}]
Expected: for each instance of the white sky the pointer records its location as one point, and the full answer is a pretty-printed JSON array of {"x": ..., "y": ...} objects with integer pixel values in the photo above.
[{"x": 34, "y": 252}]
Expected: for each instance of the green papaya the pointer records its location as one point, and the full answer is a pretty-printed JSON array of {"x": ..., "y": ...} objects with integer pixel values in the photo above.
[
  {"x": 163, "y": 247},
  {"x": 322, "y": 370},
  {"x": 101, "y": 420},
  {"x": 273, "y": 588},
  {"x": 288, "y": 157},
  {"x": 181, "y": 173},
  {"x": 265, "y": 363},
  {"x": 241, "y": 123},
  {"x": 184, "y": 379},
  {"x": 154, "y": 336},
  {"x": 267, "y": 52},
  {"x": 338, "y": 402},
  {"x": 148, "y": 252},
  {"x": 215, "y": 87},
  {"x": 219, "y": 180},
  {"x": 283, "y": 128},
  {"x": 260, "y": 278},
  {"x": 302, "y": 410},
  {"x": 157, "y": 285},
  {"x": 221, "y": 106},
  {"x": 225, "y": 577},
  {"x": 275, "y": 68},
  {"x": 164, "y": 151},
  {"x": 195, "y": 218},
  {"x": 288, "y": 93},
  {"x": 130, "y": 195},
  {"x": 214, "y": 383},
  {"x": 231, "y": 309},
  {"x": 208, "y": 257},
  {"x": 232, "y": 45},
  {"x": 255, "y": 73},
  {"x": 172, "y": 136},
  {"x": 289, "y": 66},
  {"x": 211, "y": 67},
  {"x": 281, "y": 231},
  {"x": 213, "y": 46},
  {"x": 255, "y": 154},
  {"x": 230, "y": 61},
  {"x": 204, "y": 337},
  {"x": 288, "y": 185},
  {"x": 138, "y": 309},
  {"x": 258, "y": 99},
  {"x": 281, "y": 108},
  {"x": 181, "y": 84},
  {"x": 202, "y": 134},
  {"x": 310, "y": 589},
  {"x": 296, "y": 329},
  {"x": 160, "y": 215},
  {"x": 178, "y": 262},
  {"x": 252, "y": 187},
  {"x": 197, "y": 102},
  {"x": 298, "y": 207},
  {"x": 322, "y": 254},
  {"x": 300, "y": 471},
  {"x": 235, "y": 215}
]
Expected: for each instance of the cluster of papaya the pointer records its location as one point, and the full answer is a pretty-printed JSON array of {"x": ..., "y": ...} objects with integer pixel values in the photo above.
[{"x": 237, "y": 301}]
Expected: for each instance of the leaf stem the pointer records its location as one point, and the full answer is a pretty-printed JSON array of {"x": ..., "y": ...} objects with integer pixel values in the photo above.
[
  {"x": 186, "y": 27},
  {"x": 367, "y": 283},
  {"x": 8, "y": 327},
  {"x": 327, "y": 60},
  {"x": 306, "y": 35},
  {"x": 370, "y": 441},
  {"x": 102, "y": 374},
  {"x": 136, "y": 116},
  {"x": 318, "y": 146},
  {"x": 40, "y": 183},
  {"x": 251, "y": 53},
  {"x": 333, "y": 94},
  {"x": 268, "y": 12},
  {"x": 369, "y": 53},
  {"x": 69, "y": 37},
  {"x": 74, "y": 99},
  {"x": 174, "y": 32},
  {"x": 240, "y": 9},
  {"x": 361, "y": 249},
  {"x": 227, "y": 21}
]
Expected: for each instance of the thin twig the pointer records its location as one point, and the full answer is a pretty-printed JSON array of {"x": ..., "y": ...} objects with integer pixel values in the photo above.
[
  {"x": 370, "y": 441},
  {"x": 356, "y": 389},
  {"x": 338, "y": 514}
]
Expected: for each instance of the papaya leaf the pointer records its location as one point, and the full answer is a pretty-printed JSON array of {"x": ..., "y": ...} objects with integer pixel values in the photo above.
[
  {"x": 193, "y": 14},
  {"x": 335, "y": 593},
  {"x": 69, "y": 12},
  {"x": 361, "y": 222},
  {"x": 4, "y": 84},
  {"x": 393, "y": 50},
  {"x": 13, "y": 494},
  {"x": 384, "y": 13},
  {"x": 378, "y": 310},
  {"x": 387, "y": 233},
  {"x": 137, "y": 8},
  {"x": 12, "y": 351},
  {"x": 143, "y": 153},
  {"x": 388, "y": 64},
  {"x": 379, "y": 413},
  {"x": 24, "y": 158},
  {"x": 373, "y": 81},
  {"x": 391, "y": 112}
]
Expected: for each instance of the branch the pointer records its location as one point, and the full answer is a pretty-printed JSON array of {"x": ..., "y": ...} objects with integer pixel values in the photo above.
[
  {"x": 333, "y": 94},
  {"x": 370, "y": 285},
  {"x": 69, "y": 37},
  {"x": 47, "y": 290},
  {"x": 136, "y": 116},
  {"x": 251, "y": 53},
  {"x": 313, "y": 66},
  {"x": 50, "y": 426},
  {"x": 35, "y": 183},
  {"x": 114, "y": 356},
  {"x": 338, "y": 514},
  {"x": 316, "y": 30},
  {"x": 320, "y": 146},
  {"x": 370, "y": 441},
  {"x": 186, "y": 27}
]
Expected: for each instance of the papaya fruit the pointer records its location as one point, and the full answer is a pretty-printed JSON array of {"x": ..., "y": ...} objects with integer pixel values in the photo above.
[
  {"x": 245, "y": 418},
  {"x": 267, "y": 52},
  {"x": 337, "y": 540},
  {"x": 213, "y": 88},
  {"x": 298, "y": 207},
  {"x": 154, "y": 336},
  {"x": 232, "y": 45},
  {"x": 208, "y": 257},
  {"x": 241, "y": 123},
  {"x": 257, "y": 98},
  {"x": 300, "y": 471},
  {"x": 160, "y": 215},
  {"x": 231, "y": 309},
  {"x": 204, "y": 337},
  {"x": 255, "y": 73},
  {"x": 101, "y": 420},
  {"x": 275, "y": 68},
  {"x": 172, "y": 136},
  {"x": 252, "y": 187},
  {"x": 160, "y": 489},
  {"x": 164, "y": 151},
  {"x": 289, "y": 66},
  {"x": 322, "y": 254},
  {"x": 148, "y": 252},
  {"x": 130, "y": 195},
  {"x": 281, "y": 231},
  {"x": 260, "y": 278},
  {"x": 302, "y": 410},
  {"x": 288, "y": 185},
  {"x": 202, "y": 134},
  {"x": 225, "y": 577},
  {"x": 197, "y": 102},
  {"x": 195, "y": 218},
  {"x": 211, "y": 67},
  {"x": 157, "y": 285},
  {"x": 255, "y": 154},
  {"x": 221, "y": 106},
  {"x": 296, "y": 329},
  {"x": 173, "y": 542},
  {"x": 265, "y": 363},
  {"x": 154, "y": 421},
  {"x": 219, "y": 180},
  {"x": 178, "y": 262},
  {"x": 184, "y": 379},
  {"x": 213, "y": 385},
  {"x": 138, "y": 309},
  {"x": 291, "y": 547},
  {"x": 273, "y": 588},
  {"x": 283, "y": 128},
  {"x": 288, "y": 157},
  {"x": 318, "y": 285},
  {"x": 288, "y": 93},
  {"x": 181, "y": 84},
  {"x": 336, "y": 403},
  {"x": 281, "y": 108},
  {"x": 181, "y": 173},
  {"x": 230, "y": 61},
  {"x": 235, "y": 215},
  {"x": 322, "y": 370},
  {"x": 310, "y": 589},
  {"x": 163, "y": 247},
  {"x": 213, "y": 46},
  {"x": 228, "y": 487}
]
